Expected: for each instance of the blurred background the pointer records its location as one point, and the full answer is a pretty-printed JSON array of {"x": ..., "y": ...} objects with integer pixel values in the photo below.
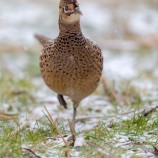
[
  {"x": 119, "y": 27},
  {"x": 115, "y": 25},
  {"x": 127, "y": 32}
]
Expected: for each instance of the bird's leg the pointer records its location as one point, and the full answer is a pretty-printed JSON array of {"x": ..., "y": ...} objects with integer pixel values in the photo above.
[
  {"x": 72, "y": 139},
  {"x": 62, "y": 101},
  {"x": 74, "y": 118}
]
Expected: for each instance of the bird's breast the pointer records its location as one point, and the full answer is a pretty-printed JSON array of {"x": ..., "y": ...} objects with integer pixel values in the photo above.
[{"x": 70, "y": 69}]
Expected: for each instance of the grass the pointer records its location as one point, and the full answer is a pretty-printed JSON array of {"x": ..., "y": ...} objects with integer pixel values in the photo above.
[
  {"x": 129, "y": 128},
  {"x": 41, "y": 135},
  {"x": 135, "y": 132},
  {"x": 10, "y": 145}
]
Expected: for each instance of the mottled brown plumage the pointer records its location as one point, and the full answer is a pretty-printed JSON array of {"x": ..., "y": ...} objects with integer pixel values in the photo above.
[{"x": 71, "y": 65}]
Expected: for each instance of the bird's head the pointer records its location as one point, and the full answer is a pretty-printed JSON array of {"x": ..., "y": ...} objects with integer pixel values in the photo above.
[{"x": 69, "y": 11}]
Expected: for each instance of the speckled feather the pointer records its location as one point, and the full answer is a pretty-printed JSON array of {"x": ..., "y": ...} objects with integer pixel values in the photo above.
[{"x": 71, "y": 64}]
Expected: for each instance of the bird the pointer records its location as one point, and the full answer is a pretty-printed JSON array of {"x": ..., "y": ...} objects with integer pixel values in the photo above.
[{"x": 70, "y": 64}]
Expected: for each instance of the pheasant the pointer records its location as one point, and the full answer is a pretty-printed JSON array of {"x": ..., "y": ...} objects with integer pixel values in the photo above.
[{"x": 71, "y": 64}]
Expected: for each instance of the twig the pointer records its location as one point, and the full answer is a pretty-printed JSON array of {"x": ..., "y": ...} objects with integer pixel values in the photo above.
[
  {"x": 9, "y": 116},
  {"x": 87, "y": 130},
  {"x": 47, "y": 102},
  {"x": 100, "y": 150},
  {"x": 88, "y": 118},
  {"x": 59, "y": 132},
  {"x": 12, "y": 115},
  {"x": 19, "y": 92},
  {"x": 32, "y": 152},
  {"x": 155, "y": 151},
  {"x": 104, "y": 152},
  {"x": 150, "y": 111},
  {"x": 111, "y": 90},
  {"x": 146, "y": 110}
]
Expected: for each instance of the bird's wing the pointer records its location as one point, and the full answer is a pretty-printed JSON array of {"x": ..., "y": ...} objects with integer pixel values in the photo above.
[
  {"x": 96, "y": 51},
  {"x": 96, "y": 54},
  {"x": 43, "y": 40}
]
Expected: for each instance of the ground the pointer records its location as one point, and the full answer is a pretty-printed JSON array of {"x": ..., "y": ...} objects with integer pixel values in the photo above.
[{"x": 119, "y": 120}]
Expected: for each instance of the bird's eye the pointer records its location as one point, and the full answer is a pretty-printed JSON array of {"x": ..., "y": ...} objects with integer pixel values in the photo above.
[{"x": 66, "y": 9}]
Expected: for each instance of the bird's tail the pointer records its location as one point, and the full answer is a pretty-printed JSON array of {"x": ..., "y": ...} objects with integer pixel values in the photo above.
[{"x": 42, "y": 39}]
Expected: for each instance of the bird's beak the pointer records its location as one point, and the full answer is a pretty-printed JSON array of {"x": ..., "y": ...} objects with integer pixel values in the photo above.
[{"x": 78, "y": 11}]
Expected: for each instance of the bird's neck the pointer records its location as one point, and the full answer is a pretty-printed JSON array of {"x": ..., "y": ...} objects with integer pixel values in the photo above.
[{"x": 69, "y": 28}]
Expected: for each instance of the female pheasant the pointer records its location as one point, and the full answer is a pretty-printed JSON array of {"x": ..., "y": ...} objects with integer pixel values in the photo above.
[{"x": 71, "y": 65}]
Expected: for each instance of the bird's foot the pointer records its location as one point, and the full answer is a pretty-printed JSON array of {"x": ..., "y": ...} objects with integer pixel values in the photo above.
[{"x": 71, "y": 140}]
